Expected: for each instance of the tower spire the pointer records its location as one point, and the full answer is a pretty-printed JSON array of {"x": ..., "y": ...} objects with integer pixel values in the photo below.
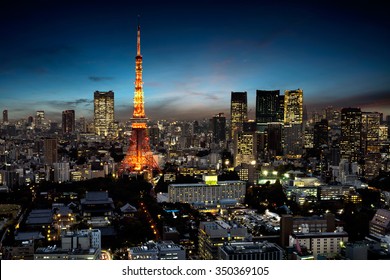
[
  {"x": 139, "y": 111},
  {"x": 139, "y": 40}
]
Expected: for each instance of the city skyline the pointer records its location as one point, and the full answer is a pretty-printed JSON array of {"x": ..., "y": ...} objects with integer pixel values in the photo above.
[{"x": 56, "y": 55}]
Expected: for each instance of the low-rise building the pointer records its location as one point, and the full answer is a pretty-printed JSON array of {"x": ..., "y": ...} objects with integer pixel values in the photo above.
[
  {"x": 214, "y": 234},
  {"x": 250, "y": 251},
  {"x": 164, "y": 250},
  {"x": 203, "y": 194},
  {"x": 321, "y": 244}
]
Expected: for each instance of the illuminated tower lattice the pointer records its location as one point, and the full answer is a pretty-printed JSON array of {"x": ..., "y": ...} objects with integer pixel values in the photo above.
[{"x": 139, "y": 157}]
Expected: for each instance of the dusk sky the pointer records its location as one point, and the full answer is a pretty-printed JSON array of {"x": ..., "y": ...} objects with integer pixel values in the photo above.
[{"x": 55, "y": 54}]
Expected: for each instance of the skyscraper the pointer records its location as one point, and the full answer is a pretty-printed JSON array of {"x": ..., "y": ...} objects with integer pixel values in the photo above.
[
  {"x": 351, "y": 128},
  {"x": 40, "y": 119},
  {"x": 293, "y": 106},
  {"x": 50, "y": 151},
  {"x": 267, "y": 106},
  {"x": 68, "y": 122},
  {"x": 139, "y": 157},
  {"x": 370, "y": 132},
  {"x": 321, "y": 134},
  {"x": 218, "y": 126},
  {"x": 293, "y": 123},
  {"x": 245, "y": 143},
  {"x": 5, "y": 116},
  {"x": 238, "y": 111},
  {"x": 104, "y": 112}
]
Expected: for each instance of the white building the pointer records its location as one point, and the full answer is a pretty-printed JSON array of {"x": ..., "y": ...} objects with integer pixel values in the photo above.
[{"x": 326, "y": 244}]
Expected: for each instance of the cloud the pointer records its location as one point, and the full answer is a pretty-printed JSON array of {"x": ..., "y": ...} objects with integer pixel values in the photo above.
[
  {"x": 208, "y": 96},
  {"x": 99, "y": 79},
  {"x": 371, "y": 100}
]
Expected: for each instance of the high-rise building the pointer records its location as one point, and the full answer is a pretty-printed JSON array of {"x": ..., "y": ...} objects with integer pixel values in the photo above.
[
  {"x": 50, "y": 151},
  {"x": 104, "y": 112},
  {"x": 280, "y": 114},
  {"x": 40, "y": 119},
  {"x": 370, "y": 132},
  {"x": 154, "y": 135},
  {"x": 68, "y": 122},
  {"x": 238, "y": 111},
  {"x": 293, "y": 106},
  {"x": 30, "y": 120},
  {"x": 139, "y": 157},
  {"x": 293, "y": 120},
  {"x": 245, "y": 147},
  {"x": 274, "y": 139},
  {"x": 267, "y": 106},
  {"x": 321, "y": 134},
  {"x": 218, "y": 127},
  {"x": 5, "y": 116},
  {"x": 351, "y": 128}
]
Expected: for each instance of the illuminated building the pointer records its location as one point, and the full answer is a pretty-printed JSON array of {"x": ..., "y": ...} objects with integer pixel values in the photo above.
[
  {"x": 370, "y": 132},
  {"x": 139, "y": 157},
  {"x": 322, "y": 244},
  {"x": 213, "y": 235},
  {"x": 81, "y": 245},
  {"x": 372, "y": 165},
  {"x": 336, "y": 192},
  {"x": 383, "y": 133},
  {"x": 238, "y": 111},
  {"x": 40, "y": 119},
  {"x": 208, "y": 194},
  {"x": 104, "y": 113},
  {"x": 293, "y": 106},
  {"x": 245, "y": 148},
  {"x": 308, "y": 134},
  {"x": 314, "y": 224},
  {"x": 380, "y": 223},
  {"x": 50, "y": 151},
  {"x": 293, "y": 121},
  {"x": 5, "y": 117},
  {"x": 267, "y": 106},
  {"x": 351, "y": 127},
  {"x": 68, "y": 122}
]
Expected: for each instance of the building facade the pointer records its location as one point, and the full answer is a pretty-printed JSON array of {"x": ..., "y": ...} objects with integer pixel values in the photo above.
[
  {"x": 351, "y": 128},
  {"x": 250, "y": 251},
  {"x": 207, "y": 194},
  {"x": 68, "y": 122},
  {"x": 238, "y": 111},
  {"x": 104, "y": 113},
  {"x": 213, "y": 235}
]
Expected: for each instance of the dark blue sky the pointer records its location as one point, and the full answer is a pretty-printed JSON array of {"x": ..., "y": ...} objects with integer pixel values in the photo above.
[{"x": 55, "y": 54}]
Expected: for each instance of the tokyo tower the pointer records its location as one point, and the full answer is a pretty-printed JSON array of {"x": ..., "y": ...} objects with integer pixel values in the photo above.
[{"x": 139, "y": 157}]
